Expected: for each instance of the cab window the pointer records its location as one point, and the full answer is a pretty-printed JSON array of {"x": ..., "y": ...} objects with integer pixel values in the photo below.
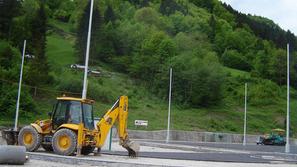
[
  {"x": 88, "y": 116},
  {"x": 75, "y": 112},
  {"x": 60, "y": 114}
]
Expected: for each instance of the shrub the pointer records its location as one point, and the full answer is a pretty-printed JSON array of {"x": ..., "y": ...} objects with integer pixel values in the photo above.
[{"x": 233, "y": 59}]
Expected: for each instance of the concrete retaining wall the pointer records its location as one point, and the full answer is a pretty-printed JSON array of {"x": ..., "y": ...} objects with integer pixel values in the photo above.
[
  {"x": 191, "y": 136},
  {"x": 2, "y": 142}
]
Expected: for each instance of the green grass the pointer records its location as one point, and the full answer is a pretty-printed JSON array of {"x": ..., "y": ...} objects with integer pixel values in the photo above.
[
  {"x": 144, "y": 105},
  {"x": 67, "y": 28},
  {"x": 235, "y": 72},
  {"x": 59, "y": 51}
]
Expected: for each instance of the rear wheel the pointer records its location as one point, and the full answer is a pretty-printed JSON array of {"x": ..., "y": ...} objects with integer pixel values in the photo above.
[
  {"x": 64, "y": 142},
  {"x": 86, "y": 150},
  {"x": 30, "y": 138}
]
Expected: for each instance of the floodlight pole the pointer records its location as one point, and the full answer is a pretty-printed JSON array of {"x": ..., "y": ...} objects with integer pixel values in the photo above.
[
  {"x": 19, "y": 91},
  {"x": 84, "y": 92},
  {"x": 287, "y": 150},
  {"x": 169, "y": 107},
  {"x": 245, "y": 108}
]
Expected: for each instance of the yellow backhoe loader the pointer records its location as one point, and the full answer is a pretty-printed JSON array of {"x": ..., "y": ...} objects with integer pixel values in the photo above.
[{"x": 71, "y": 128}]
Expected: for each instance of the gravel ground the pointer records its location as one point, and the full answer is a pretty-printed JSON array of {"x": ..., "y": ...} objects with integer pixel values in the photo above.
[
  {"x": 52, "y": 160},
  {"x": 114, "y": 160},
  {"x": 39, "y": 163}
]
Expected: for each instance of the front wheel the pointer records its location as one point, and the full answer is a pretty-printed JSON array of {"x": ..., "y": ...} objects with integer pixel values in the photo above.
[
  {"x": 30, "y": 138},
  {"x": 64, "y": 142}
]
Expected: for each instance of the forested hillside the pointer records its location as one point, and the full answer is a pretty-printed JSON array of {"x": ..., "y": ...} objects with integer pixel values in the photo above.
[{"x": 213, "y": 50}]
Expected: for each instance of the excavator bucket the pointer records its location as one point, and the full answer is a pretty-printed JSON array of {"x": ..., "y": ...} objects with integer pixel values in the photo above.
[{"x": 132, "y": 148}]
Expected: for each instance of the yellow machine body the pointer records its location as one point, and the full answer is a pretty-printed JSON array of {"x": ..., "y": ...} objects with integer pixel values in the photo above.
[{"x": 85, "y": 137}]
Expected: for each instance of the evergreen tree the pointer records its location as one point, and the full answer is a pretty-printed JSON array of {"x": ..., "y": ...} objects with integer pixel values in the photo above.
[
  {"x": 8, "y": 10},
  {"x": 82, "y": 32},
  {"x": 144, "y": 3},
  {"x": 109, "y": 15},
  {"x": 208, "y": 4},
  {"x": 140, "y": 3},
  {"x": 168, "y": 7},
  {"x": 39, "y": 68},
  {"x": 212, "y": 33}
]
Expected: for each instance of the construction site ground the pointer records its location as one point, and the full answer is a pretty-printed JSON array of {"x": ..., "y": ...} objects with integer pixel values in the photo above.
[{"x": 162, "y": 154}]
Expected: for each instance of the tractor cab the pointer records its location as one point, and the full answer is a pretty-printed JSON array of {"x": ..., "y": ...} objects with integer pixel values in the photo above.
[{"x": 70, "y": 110}]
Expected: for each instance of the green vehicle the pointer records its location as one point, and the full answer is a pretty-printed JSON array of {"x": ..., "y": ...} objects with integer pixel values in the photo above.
[{"x": 276, "y": 137}]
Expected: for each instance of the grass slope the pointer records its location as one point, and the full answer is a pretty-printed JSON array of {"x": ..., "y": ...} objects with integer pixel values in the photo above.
[{"x": 146, "y": 106}]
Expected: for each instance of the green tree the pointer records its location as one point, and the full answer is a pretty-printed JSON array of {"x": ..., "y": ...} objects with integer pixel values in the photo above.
[
  {"x": 109, "y": 15},
  {"x": 155, "y": 50},
  {"x": 233, "y": 59},
  {"x": 148, "y": 15},
  {"x": 105, "y": 50},
  {"x": 168, "y": 7},
  {"x": 208, "y": 4},
  {"x": 212, "y": 24},
  {"x": 8, "y": 10},
  {"x": 197, "y": 80},
  {"x": 7, "y": 58},
  {"x": 221, "y": 12},
  {"x": 140, "y": 3},
  {"x": 279, "y": 66},
  {"x": 39, "y": 67},
  {"x": 10, "y": 59},
  {"x": 82, "y": 32},
  {"x": 262, "y": 64}
]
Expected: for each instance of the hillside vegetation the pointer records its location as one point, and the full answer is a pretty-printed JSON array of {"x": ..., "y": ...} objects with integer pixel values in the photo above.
[{"x": 213, "y": 50}]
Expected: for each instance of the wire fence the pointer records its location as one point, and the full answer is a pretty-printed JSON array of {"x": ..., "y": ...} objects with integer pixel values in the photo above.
[{"x": 36, "y": 89}]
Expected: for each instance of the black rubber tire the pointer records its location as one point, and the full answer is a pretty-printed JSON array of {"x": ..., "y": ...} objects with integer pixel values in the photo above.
[
  {"x": 86, "y": 150},
  {"x": 73, "y": 142},
  {"x": 47, "y": 147},
  {"x": 37, "y": 138}
]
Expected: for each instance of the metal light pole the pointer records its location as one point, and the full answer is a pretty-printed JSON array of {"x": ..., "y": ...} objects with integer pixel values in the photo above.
[
  {"x": 169, "y": 105},
  {"x": 245, "y": 107},
  {"x": 19, "y": 91},
  {"x": 84, "y": 92},
  {"x": 288, "y": 101}
]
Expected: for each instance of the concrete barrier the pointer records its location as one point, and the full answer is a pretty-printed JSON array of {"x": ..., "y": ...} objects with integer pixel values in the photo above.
[
  {"x": 2, "y": 142},
  {"x": 193, "y": 136}
]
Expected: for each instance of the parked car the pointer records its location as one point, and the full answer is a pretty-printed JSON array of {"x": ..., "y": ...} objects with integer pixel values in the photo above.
[{"x": 275, "y": 137}]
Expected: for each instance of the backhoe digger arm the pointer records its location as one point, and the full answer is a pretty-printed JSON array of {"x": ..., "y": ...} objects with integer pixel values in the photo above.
[{"x": 118, "y": 113}]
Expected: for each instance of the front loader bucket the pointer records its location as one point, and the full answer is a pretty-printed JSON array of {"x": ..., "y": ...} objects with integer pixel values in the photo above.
[
  {"x": 10, "y": 136},
  {"x": 132, "y": 148}
]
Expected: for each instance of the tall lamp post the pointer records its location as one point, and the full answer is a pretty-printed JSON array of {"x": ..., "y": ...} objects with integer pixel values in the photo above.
[
  {"x": 287, "y": 150},
  {"x": 245, "y": 108},
  {"x": 169, "y": 107},
  {"x": 19, "y": 91},
  {"x": 84, "y": 92}
]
